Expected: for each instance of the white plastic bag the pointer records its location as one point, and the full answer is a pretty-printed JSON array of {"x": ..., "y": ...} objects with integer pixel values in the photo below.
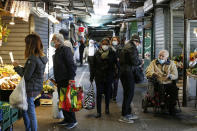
[
  {"x": 76, "y": 54},
  {"x": 18, "y": 98},
  {"x": 57, "y": 114}
]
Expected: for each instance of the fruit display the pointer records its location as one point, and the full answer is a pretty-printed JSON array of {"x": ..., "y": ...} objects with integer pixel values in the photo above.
[
  {"x": 8, "y": 77},
  {"x": 47, "y": 86}
]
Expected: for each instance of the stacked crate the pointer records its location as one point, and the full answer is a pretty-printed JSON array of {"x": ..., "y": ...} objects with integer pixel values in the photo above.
[{"x": 5, "y": 118}]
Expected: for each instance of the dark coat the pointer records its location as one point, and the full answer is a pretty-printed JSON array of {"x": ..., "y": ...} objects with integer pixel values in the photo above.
[
  {"x": 129, "y": 56},
  {"x": 33, "y": 72},
  {"x": 63, "y": 64},
  {"x": 103, "y": 69}
]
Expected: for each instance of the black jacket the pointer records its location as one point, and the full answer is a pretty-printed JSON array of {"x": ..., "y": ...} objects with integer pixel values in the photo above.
[
  {"x": 63, "y": 64},
  {"x": 33, "y": 72},
  {"x": 103, "y": 69},
  {"x": 129, "y": 56}
]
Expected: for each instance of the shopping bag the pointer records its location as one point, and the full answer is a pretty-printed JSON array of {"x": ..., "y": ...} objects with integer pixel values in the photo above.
[
  {"x": 18, "y": 98},
  {"x": 89, "y": 102},
  {"x": 57, "y": 113},
  {"x": 71, "y": 98}
]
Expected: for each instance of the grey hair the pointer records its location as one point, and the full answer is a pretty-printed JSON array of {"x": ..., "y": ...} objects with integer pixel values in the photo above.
[
  {"x": 59, "y": 37},
  {"x": 165, "y": 51}
]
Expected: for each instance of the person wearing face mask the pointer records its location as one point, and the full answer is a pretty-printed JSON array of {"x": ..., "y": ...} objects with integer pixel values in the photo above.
[
  {"x": 103, "y": 69},
  {"x": 115, "y": 43},
  {"x": 64, "y": 72},
  {"x": 129, "y": 59},
  {"x": 164, "y": 72}
]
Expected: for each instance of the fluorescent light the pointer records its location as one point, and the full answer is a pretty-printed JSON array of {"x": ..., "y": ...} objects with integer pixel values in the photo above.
[{"x": 12, "y": 21}]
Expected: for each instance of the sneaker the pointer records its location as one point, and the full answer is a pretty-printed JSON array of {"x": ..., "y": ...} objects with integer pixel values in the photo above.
[
  {"x": 132, "y": 116},
  {"x": 71, "y": 125},
  {"x": 126, "y": 120},
  {"x": 62, "y": 123}
]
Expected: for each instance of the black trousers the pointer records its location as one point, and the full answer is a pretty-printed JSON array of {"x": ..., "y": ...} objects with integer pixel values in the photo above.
[
  {"x": 68, "y": 116},
  {"x": 103, "y": 88},
  {"x": 128, "y": 84},
  {"x": 91, "y": 64},
  {"x": 115, "y": 87},
  {"x": 169, "y": 94},
  {"x": 81, "y": 56}
]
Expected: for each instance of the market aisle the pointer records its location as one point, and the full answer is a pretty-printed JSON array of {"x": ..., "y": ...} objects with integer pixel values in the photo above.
[{"x": 87, "y": 122}]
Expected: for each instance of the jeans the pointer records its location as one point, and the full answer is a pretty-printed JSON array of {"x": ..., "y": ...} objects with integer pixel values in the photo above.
[
  {"x": 29, "y": 116},
  {"x": 128, "y": 84}
]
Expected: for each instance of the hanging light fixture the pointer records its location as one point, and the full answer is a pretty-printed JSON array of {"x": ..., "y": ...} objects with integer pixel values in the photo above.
[{"x": 12, "y": 21}]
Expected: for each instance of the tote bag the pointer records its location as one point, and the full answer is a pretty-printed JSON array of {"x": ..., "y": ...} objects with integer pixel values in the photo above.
[
  {"x": 71, "y": 98},
  {"x": 89, "y": 102}
]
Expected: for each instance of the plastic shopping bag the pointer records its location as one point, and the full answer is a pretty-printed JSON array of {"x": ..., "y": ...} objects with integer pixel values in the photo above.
[
  {"x": 71, "y": 98},
  {"x": 18, "y": 98},
  {"x": 89, "y": 102},
  {"x": 57, "y": 114}
]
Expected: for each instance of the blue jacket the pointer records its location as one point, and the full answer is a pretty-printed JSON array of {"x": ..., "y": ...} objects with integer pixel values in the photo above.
[{"x": 33, "y": 72}]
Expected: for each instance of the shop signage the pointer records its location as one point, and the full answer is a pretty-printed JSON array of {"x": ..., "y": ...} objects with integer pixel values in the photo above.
[
  {"x": 159, "y": 1},
  {"x": 148, "y": 5},
  {"x": 140, "y": 12},
  {"x": 190, "y": 9}
]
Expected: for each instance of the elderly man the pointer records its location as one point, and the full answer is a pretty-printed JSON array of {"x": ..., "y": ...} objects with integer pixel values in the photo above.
[
  {"x": 64, "y": 71},
  {"x": 163, "y": 71}
]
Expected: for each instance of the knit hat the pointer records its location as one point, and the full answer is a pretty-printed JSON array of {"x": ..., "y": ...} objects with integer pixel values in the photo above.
[{"x": 135, "y": 38}]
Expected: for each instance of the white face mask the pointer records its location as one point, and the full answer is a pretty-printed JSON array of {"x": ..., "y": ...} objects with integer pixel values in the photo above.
[
  {"x": 105, "y": 47},
  {"x": 114, "y": 43},
  {"x": 161, "y": 61}
]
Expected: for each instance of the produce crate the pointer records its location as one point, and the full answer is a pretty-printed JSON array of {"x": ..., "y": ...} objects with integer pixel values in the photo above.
[
  {"x": 5, "y": 124},
  {"x": 13, "y": 115},
  {"x": 6, "y": 112}
]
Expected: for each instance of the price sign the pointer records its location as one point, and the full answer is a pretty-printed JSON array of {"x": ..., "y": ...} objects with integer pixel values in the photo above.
[
  {"x": 1, "y": 60},
  {"x": 11, "y": 57}
]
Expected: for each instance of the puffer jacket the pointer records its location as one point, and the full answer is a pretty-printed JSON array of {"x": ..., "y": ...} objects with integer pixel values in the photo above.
[
  {"x": 162, "y": 71},
  {"x": 33, "y": 72},
  {"x": 63, "y": 64}
]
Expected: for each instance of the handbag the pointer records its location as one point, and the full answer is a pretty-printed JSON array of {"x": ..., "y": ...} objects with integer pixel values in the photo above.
[
  {"x": 138, "y": 74},
  {"x": 71, "y": 98},
  {"x": 89, "y": 102}
]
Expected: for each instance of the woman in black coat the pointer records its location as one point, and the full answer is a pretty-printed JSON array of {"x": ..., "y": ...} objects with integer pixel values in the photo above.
[{"x": 103, "y": 70}]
